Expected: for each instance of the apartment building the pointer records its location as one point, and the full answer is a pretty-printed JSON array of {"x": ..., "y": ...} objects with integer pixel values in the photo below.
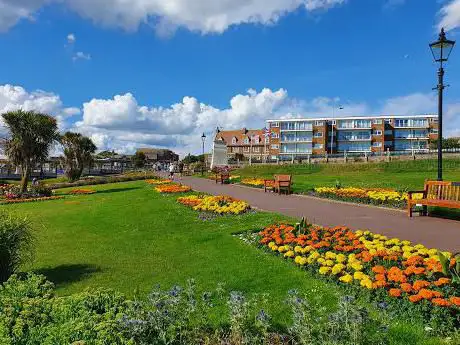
[
  {"x": 245, "y": 143},
  {"x": 300, "y": 138}
]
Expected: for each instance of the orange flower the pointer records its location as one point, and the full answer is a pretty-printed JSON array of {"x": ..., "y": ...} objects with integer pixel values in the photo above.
[
  {"x": 420, "y": 284},
  {"x": 413, "y": 261},
  {"x": 442, "y": 281},
  {"x": 455, "y": 300},
  {"x": 395, "y": 292},
  {"x": 440, "y": 302},
  {"x": 379, "y": 284},
  {"x": 396, "y": 275},
  {"x": 380, "y": 277},
  {"x": 379, "y": 269},
  {"x": 415, "y": 298},
  {"x": 429, "y": 294},
  {"x": 406, "y": 287}
]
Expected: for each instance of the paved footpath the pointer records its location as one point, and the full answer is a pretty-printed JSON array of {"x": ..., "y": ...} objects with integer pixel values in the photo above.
[{"x": 430, "y": 231}]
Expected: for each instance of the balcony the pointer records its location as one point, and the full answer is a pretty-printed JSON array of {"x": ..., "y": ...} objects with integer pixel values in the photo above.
[{"x": 355, "y": 138}]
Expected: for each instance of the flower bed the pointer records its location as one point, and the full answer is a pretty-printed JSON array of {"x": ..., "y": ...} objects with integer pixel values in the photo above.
[
  {"x": 255, "y": 182},
  {"x": 394, "y": 269},
  {"x": 216, "y": 204},
  {"x": 82, "y": 191},
  {"x": 17, "y": 201},
  {"x": 376, "y": 196},
  {"x": 158, "y": 181},
  {"x": 172, "y": 188}
]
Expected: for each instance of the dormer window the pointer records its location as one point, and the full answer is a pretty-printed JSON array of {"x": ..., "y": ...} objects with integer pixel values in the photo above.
[
  {"x": 246, "y": 141},
  {"x": 234, "y": 140}
]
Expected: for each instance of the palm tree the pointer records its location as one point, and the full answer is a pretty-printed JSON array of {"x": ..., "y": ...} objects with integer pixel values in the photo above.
[
  {"x": 31, "y": 137},
  {"x": 78, "y": 151}
]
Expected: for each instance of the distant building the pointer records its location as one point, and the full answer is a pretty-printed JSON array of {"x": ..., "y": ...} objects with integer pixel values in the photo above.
[
  {"x": 154, "y": 156},
  {"x": 247, "y": 143},
  {"x": 300, "y": 138}
]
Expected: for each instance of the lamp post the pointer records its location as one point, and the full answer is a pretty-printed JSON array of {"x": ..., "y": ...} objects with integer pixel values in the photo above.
[
  {"x": 203, "y": 139},
  {"x": 441, "y": 50}
]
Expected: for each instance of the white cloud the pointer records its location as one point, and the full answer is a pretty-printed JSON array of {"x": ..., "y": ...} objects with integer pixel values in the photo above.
[
  {"x": 16, "y": 97},
  {"x": 205, "y": 16},
  {"x": 450, "y": 14},
  {"x": 122, "y": 124},
  {"x": 12, "y": 11},
  {"x": 81, "y": 56},
  {"x": 71, "y": 38}
]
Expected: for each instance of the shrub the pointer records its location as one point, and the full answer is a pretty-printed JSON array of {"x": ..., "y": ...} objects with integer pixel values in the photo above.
[
  {"x": 103, "y": 180},
  {"x": 41, "y": 190},
  {"x": 16, "y": 243}
]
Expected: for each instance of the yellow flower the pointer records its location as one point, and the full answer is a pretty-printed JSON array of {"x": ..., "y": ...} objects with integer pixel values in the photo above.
[
  {"x": 324, "y": 270},
  {"x": 366, "y": 283},
  {"x": 274, "y": 248},
  {"x": 341, "y": 258},
  {"x": 347, "y": 278},
  {"x": 357, "y": 266},
  {"x": 289, "y": 254},
  {"x": 329, "y": 263},
  {"x": 358, "y": 275},
  {"x": 298, "y": 249},
  {"x": 330, "y": 255},
  {"x": 337, "y": 268},
  {"x": 321, "y": 260},
  {"x": 307, "y": 249}
]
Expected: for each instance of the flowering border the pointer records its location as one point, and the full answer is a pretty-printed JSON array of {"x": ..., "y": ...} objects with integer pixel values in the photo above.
[{"x": 18, "y": 201}]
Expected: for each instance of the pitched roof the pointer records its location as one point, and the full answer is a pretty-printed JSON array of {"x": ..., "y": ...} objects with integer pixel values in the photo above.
[{"x": 240, "y": 135}]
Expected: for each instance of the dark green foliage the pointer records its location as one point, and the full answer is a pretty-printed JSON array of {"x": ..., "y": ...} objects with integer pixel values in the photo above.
[
  {"x": 78, "y": 151},
  {"x": 104, "y": 180},
  {"x": 31, "y": 136},
  {"x": 16, "y": 243},
  {"x": 139, "y": 159}
]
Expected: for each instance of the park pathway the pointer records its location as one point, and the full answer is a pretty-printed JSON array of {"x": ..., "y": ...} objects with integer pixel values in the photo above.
[{"x": 429, "y": 231}]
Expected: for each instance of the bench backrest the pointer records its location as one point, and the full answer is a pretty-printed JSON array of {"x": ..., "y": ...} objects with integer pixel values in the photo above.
[
  {"x": 443, "y": 190},
  {"x": 283, "y": 178}
]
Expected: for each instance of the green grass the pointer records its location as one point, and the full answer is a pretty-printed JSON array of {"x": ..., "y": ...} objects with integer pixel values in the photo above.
[
  {"x": 401, "y": 175},
  {"x": 128, "y": 237}
]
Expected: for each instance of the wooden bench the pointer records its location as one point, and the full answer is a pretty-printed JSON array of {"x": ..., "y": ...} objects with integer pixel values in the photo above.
[
  {"x": 223, "y": 178},
  {"x": 437, "y": 194},
  {"x": 278, "y": 183}
]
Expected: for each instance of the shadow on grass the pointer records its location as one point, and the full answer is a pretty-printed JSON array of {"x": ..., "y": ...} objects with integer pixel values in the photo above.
[
  {"x": 66, "y": 274},
  {"x": 445, "y": 213},
  {"x": 116, "y": 190}
]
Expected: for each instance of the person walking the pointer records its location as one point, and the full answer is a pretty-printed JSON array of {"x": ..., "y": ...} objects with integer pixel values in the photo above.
[
  {"x": 171, "y": 171},
  {"x": 181, "y": 168}
]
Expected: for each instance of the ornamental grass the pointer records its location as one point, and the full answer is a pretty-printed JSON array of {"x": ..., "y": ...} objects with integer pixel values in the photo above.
[
  {"x": 215, "y": 204},
  {"x": 369, "y": 261},
  {"x": 172, "y": 188}
]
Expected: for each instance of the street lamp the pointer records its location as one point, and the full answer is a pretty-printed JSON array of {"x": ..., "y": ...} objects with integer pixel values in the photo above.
[
  {"x": 203, "y": 139},
  {"x": 441, "y": 50}
]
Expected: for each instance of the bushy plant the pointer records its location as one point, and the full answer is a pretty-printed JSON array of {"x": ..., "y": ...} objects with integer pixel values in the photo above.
[
  {"x": 135, "y": 176},
  {"x": 16, "y": 243},
  {"x": 41, "y": 190}
]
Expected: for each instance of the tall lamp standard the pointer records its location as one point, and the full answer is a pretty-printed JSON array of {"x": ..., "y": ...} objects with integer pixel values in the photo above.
[
  {"x": 441, "y": 50},
  {"x": 203, "y": 139}
]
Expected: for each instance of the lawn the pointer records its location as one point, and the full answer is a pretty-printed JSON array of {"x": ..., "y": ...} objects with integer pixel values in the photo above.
[
  {"x": 400, "y": 175},
  {"x": 128, "y": 237}
]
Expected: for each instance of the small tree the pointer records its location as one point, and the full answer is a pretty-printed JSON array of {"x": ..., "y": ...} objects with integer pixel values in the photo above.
[
  {"x": 139, "y": 159},
  {"x": 16, "y": 243},
  {"x": 78, "y": 151},
  {"x": 31, "y": 137}
]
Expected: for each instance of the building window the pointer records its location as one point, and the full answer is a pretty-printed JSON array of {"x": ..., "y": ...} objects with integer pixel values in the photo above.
[
  {"x": 246, "y": 141},
  {"x": 377, "y": 121},
  {"x": 275, "y": 147},
  {"x": 377, "y": 132},
  {"x": 234, "y": 140},
  {"x": 274, "y": 124},
  {"x": 318, "y": 146},
  {"x": 387, "y": 121},
  {"x": 275, "y": 135},
  {"x": 274, "y": 157},
  {"x": 377, "y": 144},
  {"x": 267, "y": 140},
  {"x": 256, "y": 149},
  {"x": 246, "y": 149},
  {"x": 318, "y": 134},
  {"x": 236, "y": 149},
  {"x": 319, "y": 123},
  {"x": 388, "y": 143},
  {"x": 434, "y": 131},
  {"x": 388, "y": 132}
]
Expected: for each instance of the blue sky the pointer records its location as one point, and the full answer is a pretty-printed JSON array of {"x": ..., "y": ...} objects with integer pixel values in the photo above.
[{"x": 122, "y": 74}]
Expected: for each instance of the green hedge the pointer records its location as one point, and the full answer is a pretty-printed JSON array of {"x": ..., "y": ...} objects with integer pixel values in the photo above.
[{"x": 104, "y": 180}]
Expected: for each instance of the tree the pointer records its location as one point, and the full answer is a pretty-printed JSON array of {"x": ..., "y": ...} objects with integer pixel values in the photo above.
[
  {"x": 31, "y": 136},
  {"x": 78, "y": 151},
  {"x": 139, "y": 159},
  {"x": 447, "y": 143},
  {"x": 191, "y": 159}
]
